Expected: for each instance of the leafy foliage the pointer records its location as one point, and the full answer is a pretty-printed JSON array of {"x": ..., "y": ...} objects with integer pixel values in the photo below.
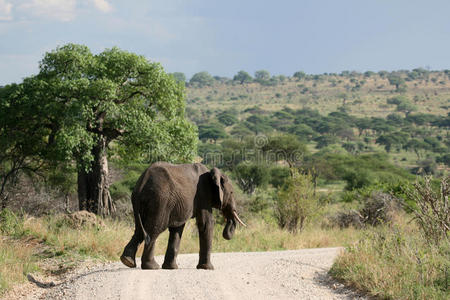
[
  {"x": 80, "y": 102},
  {"x": 242, "y": 77},
  {"x": 296, "y": 202},
  {"x": 201, "y": 79},
  {"x": 251, "y": 176}
]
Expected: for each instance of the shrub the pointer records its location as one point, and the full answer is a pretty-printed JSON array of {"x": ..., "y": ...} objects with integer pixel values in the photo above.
[
  {"x": 345, "y": 219},
  {"x": 251, "y": 176},
  {"x": 278, "y": 176},
  {"x": 380, "y": 208},
  {"x": 432, "y": 210},
  {"x": 357, "y": 179},
  {"x": 296, "y": 202}
]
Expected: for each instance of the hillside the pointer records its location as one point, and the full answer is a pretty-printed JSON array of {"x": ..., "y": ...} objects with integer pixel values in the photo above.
[
  {"x": 361, "y": 94},
  {"x": 400, "y": 113}
]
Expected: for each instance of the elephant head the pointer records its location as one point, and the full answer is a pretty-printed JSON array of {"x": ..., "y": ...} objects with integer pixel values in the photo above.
[{"x": 225, "y": 202}]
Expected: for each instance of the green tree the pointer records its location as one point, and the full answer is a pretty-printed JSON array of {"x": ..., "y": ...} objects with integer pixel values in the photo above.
[
  {"x": 406, "y": 108},
  {"x": 262, "y": 76},
  {"x": 285, "y": 147},
  {"x": 22, "y": 138},
  {"x": 303, "y": 132},
  {"x": 417, "y": 145},
  {"x": 325, "y": 141},
  {"x": 94, "y": 107},
  {"x": 211, "y": 132},
  {"x": 397, "y": 100},
  {"x": 259, "y": 123},
  {"x": 250, "y": 176},
  {"x": 227, "y": 118},
  {"x": 241, "y": 130},
  {"x": 296, "y": 202},
  {"x": 299, "y": 75},
  {"x": 358, "y": 178},
  {"x": 242, "y": 77},
  {"x": 444, "y": 158},
  {"x": 179, "y": 77},
  {"x": 278, "y": 176},
  {"x": 399, "y": 82},
  {"x": 351, "y": 147},
  {"x": 201, "y": 79},
  {"x": 362, "y": 124}
]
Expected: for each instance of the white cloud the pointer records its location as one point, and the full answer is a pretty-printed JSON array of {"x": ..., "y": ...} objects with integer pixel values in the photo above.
[
  {"x": 61, "y": 10},
  {"x": 5, "y": 10},
  {"x": 102, "y": 5}
]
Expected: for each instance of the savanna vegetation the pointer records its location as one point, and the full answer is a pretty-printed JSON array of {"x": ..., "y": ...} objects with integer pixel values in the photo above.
[{"x": 317, "y": 160}]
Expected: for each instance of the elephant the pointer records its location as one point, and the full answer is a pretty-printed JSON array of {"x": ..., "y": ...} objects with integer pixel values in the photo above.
[{"x": 167, "y": 196}]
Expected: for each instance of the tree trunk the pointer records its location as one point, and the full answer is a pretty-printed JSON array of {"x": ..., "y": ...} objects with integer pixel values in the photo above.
[{"x": 93, "y": 186}]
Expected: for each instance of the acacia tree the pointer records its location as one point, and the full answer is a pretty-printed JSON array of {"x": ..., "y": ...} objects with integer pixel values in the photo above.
[
  {"x": 21, "y": 139},
  {"x": 242, "y": 77},
  {"x": 114, "y": 103}
]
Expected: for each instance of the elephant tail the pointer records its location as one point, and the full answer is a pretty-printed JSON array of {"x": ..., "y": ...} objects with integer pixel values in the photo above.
[{"x": 146, "y": 236}]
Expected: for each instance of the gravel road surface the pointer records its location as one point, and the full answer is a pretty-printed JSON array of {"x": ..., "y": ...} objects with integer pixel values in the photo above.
[{"x": 298, "y": 274}]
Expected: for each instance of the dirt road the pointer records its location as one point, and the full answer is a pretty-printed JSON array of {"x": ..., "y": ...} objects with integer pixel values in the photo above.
[{"x": 299, "y": 274}]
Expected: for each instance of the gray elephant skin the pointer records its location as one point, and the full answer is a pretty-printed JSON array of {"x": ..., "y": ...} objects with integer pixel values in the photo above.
[{"x": 167, "y": 196}]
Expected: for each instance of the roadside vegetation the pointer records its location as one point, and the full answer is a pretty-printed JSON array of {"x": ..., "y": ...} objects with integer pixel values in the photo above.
[
  {"x": 404, "y": 260},
  {"x": 52, "y": 245},
  {"x": 316, "y": 161}
]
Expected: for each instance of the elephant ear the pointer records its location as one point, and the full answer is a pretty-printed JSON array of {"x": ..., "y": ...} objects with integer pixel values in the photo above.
[{"x": 217, "y": 179}]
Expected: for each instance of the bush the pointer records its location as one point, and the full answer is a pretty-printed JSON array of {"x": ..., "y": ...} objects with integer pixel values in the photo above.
[
  {"x": 201, "y": 79},
  {"x": 357, "y": 179},
  {"x": 345, "y": 219},
  {"x": 296, "y": 202},
  {"x": 432, "y": 210},
  {"x": 278, "y": 176},
  {"x": 250, "y": 176},
  {"x": 380, "y": 208}
]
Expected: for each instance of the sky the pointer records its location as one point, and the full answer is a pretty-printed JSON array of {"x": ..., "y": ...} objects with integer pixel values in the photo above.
[{"x": 224, "y": 37}]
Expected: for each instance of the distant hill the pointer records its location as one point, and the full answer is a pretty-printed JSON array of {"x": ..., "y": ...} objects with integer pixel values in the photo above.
[{"x": 359, "y": 94}]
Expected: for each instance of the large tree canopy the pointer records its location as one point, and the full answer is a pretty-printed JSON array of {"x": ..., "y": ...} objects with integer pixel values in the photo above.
[{"x": 90, "y": 107}]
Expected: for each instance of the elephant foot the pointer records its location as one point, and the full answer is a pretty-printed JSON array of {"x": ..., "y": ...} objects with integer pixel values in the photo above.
[
  {"x": 170, "y": 266},
  {"x": 150, "y": 265},
  {"x": 207, "y": 266},
  {"x": 128, "y": 261}
]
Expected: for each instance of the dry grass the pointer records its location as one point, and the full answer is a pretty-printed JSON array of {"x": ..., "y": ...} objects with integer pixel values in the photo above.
[
  {"x": 369, "y": 100},
  {"x": 396, "y": 263},
  {"x": 54, "y": 239},
  {"x": 261, "y": 236},
  {"x": 16, "y": 260}
]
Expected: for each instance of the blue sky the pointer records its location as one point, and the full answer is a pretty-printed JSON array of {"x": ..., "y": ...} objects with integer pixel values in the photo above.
[{"x": 223, "y": 37}]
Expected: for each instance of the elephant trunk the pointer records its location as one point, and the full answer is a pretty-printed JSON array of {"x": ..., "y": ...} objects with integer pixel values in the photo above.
[{"x": 228, "y": 231}]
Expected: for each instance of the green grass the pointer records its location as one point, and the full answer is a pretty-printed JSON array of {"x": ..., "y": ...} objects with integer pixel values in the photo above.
[{"x": 396, "y": 263}]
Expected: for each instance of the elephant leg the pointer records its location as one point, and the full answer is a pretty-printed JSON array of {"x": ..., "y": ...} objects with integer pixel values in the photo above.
[
  {"x": 205, "y": 225},
  {"x": 148, "y": 257},
  {"x": 128, "y": 256},
  {"x": 129, "y": 252},
  {"x": 172, "y": 247}
]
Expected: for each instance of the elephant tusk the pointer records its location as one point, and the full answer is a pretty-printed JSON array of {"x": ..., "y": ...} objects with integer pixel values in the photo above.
[{"x": 238, "y": 219}]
